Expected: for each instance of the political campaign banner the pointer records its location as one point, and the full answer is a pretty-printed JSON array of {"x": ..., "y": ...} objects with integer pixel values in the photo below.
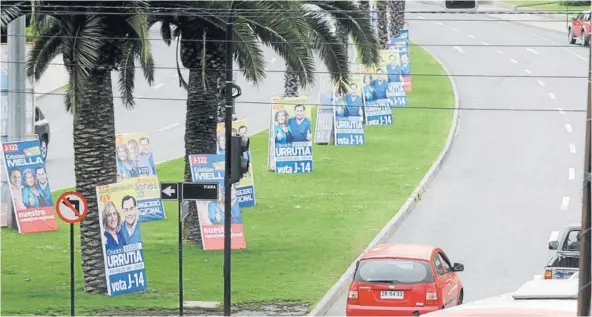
[
  {"x": 401, "y": 45},
  {"x": 324, "y": 126},
  {"x": 209, "y": 168},
  {"x": 136, "y": 160},
  {"x": 348, "y": 114},
  {"x": 291, "y": 132},
  {"x": 29, "y": 186},
  {"x": 123, "y": 253},
  {"x": 377, "y": 110},
  {"x": 395, "y": 91},
  {"x": 246, "y": 186}
]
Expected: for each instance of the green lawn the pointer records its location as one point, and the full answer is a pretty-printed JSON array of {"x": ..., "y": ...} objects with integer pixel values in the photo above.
[
  {"x": 553, "y": 6},
  {"x": 301, "y": 236}
]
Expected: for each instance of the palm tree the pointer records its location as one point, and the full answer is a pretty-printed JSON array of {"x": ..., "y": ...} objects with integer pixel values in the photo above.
[
  {"x": 396, "y": 16},
  {"x": 94, "y": 39},
  {"x": 381, "y": 10},
  {"x": 285, "y": 26}
]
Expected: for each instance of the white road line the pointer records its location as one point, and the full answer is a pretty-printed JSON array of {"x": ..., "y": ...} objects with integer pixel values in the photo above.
[
  {"x": 484, "y": 43},
  {"x": 575, "y": 54},
  {"x": 169, "y": 127},
  {"x": 439, "y": 23},
  {"x": 561, "y": 111},
  {"x": 459, "y": 49},
  {"x": 571, "y": 173},
  {"x": 572, "y": 148},
  {"x": 454, "y": 29},
  {"x": 564, "y": 203},
  {"x": 158, "y": 86},
  {"x": 471, "y": 36},
  {"x": 54, "y": 130},
  {"x": 421, "y": 16},
  {"x": 513, "y": 61},
  {"x": 568, "y": 127},
  {"x": 500, "y": 51},
  {"x": 552, "y": 95},
  {"x": 541, "y": 82},
  {"x": 527, "y": 71},
  {"x": 532, "y": 51}
]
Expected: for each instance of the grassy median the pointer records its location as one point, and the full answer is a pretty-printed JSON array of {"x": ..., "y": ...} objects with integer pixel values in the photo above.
[{"x": 303, "y": 233}]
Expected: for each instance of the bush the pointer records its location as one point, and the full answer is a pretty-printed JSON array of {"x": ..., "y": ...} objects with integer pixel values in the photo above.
[{"x": 574, "y": 2}]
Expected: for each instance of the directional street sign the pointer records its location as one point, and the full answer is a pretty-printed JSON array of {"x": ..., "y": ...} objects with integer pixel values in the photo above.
[
  {"x": 169, "y": 191},
  {"x": 72, "y": 207},
  {"x": 200, "y": 191}
]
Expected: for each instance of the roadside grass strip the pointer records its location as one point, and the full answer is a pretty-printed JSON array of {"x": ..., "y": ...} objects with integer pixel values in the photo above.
[{"x": 303, "y": 233}]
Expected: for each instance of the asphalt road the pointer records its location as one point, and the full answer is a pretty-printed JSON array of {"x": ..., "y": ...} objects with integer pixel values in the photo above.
[
  {"x": 162, "y": 113},
  {"x": 511, "y": 177}
]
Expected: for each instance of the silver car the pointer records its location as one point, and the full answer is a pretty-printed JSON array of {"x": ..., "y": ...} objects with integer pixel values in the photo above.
[{"x": 42, "y": 131}]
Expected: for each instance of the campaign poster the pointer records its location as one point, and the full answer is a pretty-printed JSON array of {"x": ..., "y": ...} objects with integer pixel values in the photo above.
[
  {"x": 291, "y": 132},
  {"x": 209, "y": 168},
  {"x": 401, "y": 45},
  {"x": 29, "y": 187},
  {"x": 122, "y": 239},
  {"x": 136, "y": 160},
  {"x": 246, "y": 186},
  {"x": 377, "y": 110},
  {"x": 348, "y": 114},
  {"x": 397, "y": 97},
  {"x": 324, "y": 126}
]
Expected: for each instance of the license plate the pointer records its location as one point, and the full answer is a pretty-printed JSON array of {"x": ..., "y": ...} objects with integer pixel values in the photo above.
[{"x": 391, "y": 294}]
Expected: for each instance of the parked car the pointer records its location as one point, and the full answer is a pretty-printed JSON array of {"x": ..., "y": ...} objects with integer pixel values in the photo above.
[
  {"x": 566, "y": 260},
  {"x": 42, "y": 131},
  {"x": 404, "y": 279},
  {"x": 579, "y": 28}
]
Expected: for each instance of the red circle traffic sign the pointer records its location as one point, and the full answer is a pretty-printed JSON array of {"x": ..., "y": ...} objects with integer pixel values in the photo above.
[{"x": 71, "y": 207}]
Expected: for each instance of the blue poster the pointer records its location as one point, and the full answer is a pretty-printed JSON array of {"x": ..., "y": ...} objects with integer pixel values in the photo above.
[
  {"x": 401, "y": 45},
  {"x": 377, "y": 109},
  {"x": 348, "y": 115},
  {"x": 291, "y": 135}
]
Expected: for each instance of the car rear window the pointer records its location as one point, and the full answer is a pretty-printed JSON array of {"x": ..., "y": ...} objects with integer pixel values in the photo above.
[{"x": 394, "y": 271}]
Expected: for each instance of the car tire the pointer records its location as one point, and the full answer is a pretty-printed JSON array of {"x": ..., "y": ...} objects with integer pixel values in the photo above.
[
  {"x": 584, "y": 38},
  {"x": 43, "y": 145},
  {"x": 461, "y": 296},
  {"x": 570, "y": 37}
]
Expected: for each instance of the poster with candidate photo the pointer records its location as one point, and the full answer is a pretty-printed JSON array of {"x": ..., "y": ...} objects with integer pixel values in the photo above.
[
  {"x": 29, "y": 187},
  {"x": 377, "y": 110},
  {"x": 291, "y": 135},
  {"x": 246, "y": 186},
  {"x": 348, "y": 114},
  {"x": 396, "y": 90},
  {"x": 401, "y": 45},
  {"x": 121, "y": 236},
  {"x": 135, "y": 160}
]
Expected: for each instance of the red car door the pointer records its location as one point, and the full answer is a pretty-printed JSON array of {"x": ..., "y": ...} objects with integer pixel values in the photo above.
[
  {"x": 451, "y": 298},
  {"x": 442, "y": 279},
  {"x": 576, "y": 25}
]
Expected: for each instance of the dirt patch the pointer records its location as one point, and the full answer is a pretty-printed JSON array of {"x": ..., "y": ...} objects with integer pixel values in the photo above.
[{"x": 249, "y": 309}]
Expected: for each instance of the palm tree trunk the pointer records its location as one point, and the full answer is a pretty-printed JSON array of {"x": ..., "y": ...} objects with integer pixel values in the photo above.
[
  {"x": 291, "y": 82},
  {"x": 94, "y": 164},
  {"x": 397, "y": 17},
  {"x": 203, "y": 111},
  {"x": 381, "y": 10}
]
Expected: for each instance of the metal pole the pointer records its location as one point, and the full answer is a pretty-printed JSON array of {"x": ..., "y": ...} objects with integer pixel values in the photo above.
[
  {"x": 227, "y": 184},
  {"x": 72, "y": 272},
  {"x": 16, "y": 111},
  {"x": 180, "y": 241},
  {"x": 585, "y": 290}
]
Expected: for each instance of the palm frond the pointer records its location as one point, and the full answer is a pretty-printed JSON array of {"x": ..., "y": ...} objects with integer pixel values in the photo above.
[
  {"x": 47, "y": 46},
  {"x": 139, "y": 24},
  {"x": 127, "y": 74},
  {"x": 248, "y": 54},
  {"x": 165, "y": 32},
  {"x": 11, "y": 10}
]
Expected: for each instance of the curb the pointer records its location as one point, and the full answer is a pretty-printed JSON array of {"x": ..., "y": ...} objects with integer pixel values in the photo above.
[{"x": 333, "y": 295}]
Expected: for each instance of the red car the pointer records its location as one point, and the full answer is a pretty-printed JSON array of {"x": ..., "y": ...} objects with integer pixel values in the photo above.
[
  {"x": 579, "y": 28},
  {"x": 404, "y": 280}
]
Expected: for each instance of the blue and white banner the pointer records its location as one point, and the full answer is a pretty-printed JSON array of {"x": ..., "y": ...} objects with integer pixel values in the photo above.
[
  {"x": 401, "y": 45},
  {"x": 395, "y": 91},
  {"x": 377, "y": 109},
  {"x": 348, "y": 114}
]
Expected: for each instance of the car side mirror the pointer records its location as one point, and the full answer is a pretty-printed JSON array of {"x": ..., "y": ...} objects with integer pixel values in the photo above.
[
  {"x": 458, "y": 267},
  {"x": 553, "y": 245}
]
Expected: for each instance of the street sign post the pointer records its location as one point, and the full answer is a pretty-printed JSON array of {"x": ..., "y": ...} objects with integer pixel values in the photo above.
[
  {"x": 181, "y": 191},
  {"x": 72, "y": 207}
]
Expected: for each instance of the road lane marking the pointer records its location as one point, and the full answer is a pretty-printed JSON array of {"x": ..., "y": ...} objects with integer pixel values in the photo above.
[
  {"x": 568, "y": 127},
  {"x": 169, "y": 127},
  {"x": 158, "y": 86},
  {"x": 541, "y": 82},
  {"x": 571, "y": 173},
  {"x": 54, "y": 130},
  {"x": 527, "y": 71},
  {"x": 552, "y": 95},
  {"x": 575, "y": 54},
  {"x": 484, "y": 43},
  {"x": 421, "y": 16},
  {"x": 500, "y": 51},
  {"x": 561, "y": 111},
  {"x": 439, "y": 23},
  {"x": 572, "y": 148},
  {"x": 532, "y": 51},
  {"x": 454, "y": 29},
  {"x": 471, "y": 36},
  {"x": 459, "y": 49},
  {"x": 564, "y": 203},
  {"x": 513, "y": 61}
]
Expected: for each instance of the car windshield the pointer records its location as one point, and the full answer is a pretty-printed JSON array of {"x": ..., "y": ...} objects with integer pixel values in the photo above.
[
  {"x": 572, "y": 243},
  {"x": 394, "y": 271}
]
